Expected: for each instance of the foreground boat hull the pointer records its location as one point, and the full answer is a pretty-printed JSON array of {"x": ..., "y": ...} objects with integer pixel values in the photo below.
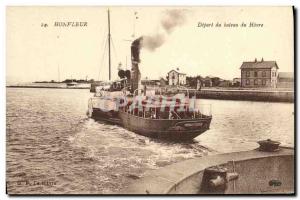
[{"x": 258, "y": 172}]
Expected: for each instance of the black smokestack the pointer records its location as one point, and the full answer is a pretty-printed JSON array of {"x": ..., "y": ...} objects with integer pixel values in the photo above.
[
  {"x": 135, "y": 50},
  {"x": 135, "y": 60}
]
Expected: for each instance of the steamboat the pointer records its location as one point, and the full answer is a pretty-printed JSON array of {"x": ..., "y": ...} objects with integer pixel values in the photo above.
[{"x": 126, "y": 103}]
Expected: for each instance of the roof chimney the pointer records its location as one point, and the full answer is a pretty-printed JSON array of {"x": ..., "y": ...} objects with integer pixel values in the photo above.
[
  {"x": 255, "y": 60},
  {"x": 262, "y": 59}
]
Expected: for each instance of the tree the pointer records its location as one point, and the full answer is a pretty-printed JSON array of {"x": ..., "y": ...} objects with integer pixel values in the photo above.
[{"x": 192, "y": 80}]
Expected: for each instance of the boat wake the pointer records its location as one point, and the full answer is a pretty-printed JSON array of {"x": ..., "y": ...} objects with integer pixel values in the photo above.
[{"x": 122, "y": 155}]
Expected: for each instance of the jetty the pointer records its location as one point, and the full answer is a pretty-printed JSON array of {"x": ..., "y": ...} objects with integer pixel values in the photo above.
[
  {"x": 50, "y": 86},
  {"x": 237, "y": 94}
]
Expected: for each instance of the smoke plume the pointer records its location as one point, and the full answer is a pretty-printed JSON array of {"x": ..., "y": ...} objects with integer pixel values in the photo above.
[
  {"x": 172, "y": 19},
  {"x": 153, "y": 42}
]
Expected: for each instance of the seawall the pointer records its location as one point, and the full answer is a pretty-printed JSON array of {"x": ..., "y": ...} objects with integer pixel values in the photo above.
[{"x": 249, "y": 95}]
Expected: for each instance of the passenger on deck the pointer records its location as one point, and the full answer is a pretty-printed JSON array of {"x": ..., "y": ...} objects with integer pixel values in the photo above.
[
  {"x": 147, "y": 114},
  {"x": 153, "y": 115},
  {"x": 171, "y": 115}
]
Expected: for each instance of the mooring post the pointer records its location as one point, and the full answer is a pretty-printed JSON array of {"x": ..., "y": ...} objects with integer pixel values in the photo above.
[
  {"x": 268, "y": 145},
  {"x": 214, "y": 180}
]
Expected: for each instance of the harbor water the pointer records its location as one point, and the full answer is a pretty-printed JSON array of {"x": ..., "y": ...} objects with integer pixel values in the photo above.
[{"x": 54, "y": 148}]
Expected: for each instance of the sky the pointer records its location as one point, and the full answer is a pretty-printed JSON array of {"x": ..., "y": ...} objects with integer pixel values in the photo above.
[{"x": 37, "y": 53}]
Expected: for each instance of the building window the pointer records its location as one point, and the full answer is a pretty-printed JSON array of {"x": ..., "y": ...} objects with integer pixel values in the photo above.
[
  {"x": 255, "y": 82},
  {"x": 263, "y": 82},
  {"x": 274, "y": 74},
  {"x": 255, "y": 74},
  {"x": 247, "y": 73},
  {"x": 264, "y": 73},
  {"x": 247, "y": 82}
]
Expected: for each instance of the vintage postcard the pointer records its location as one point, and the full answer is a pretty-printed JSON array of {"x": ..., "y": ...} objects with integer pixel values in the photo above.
[{"x": 150, "y": 100}]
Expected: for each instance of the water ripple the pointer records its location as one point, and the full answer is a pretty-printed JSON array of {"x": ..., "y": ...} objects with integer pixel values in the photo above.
[{"x": 53, "y": 148}]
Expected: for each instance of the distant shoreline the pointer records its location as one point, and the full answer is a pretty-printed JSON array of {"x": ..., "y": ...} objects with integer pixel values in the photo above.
[
  {"x": 46, "y": 87},
  {"x": 222, "y": 94}
]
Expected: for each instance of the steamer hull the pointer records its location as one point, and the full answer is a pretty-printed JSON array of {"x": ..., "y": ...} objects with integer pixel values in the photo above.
[
  {"x": 109, "y": 117},
  {"x": 176, "y": 130},
  {"x": 154, "y": 123}
]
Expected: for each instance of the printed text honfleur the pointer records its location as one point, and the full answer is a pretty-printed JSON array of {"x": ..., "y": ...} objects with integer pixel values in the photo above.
[{"x": 70, "y": 24}]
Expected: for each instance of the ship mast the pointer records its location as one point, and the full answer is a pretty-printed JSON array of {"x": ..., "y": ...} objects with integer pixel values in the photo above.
[
  {"x": 58, "y": 73},
  {"x": 109, "y": 56}
]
